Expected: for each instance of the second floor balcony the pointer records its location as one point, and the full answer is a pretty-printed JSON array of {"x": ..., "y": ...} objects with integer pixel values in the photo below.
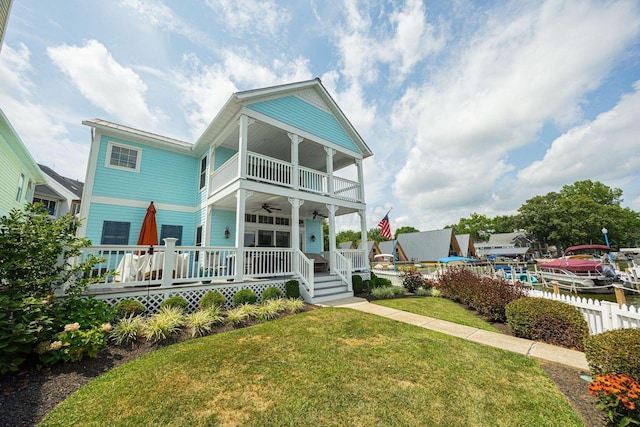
[{"x": 262, "y": 168}]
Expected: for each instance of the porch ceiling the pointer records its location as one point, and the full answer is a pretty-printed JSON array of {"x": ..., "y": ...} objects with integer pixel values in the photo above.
[
  {"x": 279, "y": 204},
  {"x": 273, "y": 142}
]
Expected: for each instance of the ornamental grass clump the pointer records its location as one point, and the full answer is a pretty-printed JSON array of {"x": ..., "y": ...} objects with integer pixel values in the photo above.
[
  {"x": 237, "y": 317},
  {"x": 200, "y": 323},
  {"x": 162, "y": 326},
  {"x": 619, "y": 396},
  {"x": 383, "y": 292},
  {"x": 267, "y": 312},
  {"x": 128, "y": 330},
  {"x": 280, "y": 304},
  {"x": 295, "y": 305}
]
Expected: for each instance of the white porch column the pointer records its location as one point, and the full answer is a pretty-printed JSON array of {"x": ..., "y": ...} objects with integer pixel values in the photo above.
[
  {"x": 360, "y": 180},
  {"x": 330, "y": 153},
  {"x": 363, "y": 235},
  {"x": 332, "y": 236},
  {"x": 244, "y": 123},
  {"x": 241, "y": 203},
  {"x": 295, "y": 230},
  {"x": 295, "y": 173}
]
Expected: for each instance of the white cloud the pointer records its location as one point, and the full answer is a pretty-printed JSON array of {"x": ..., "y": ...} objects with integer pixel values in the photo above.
[
  {"x": 205, "y": 88},
  {"x": 15, "y": 70},
  {"x": 252, "y": 16},
  {"x": 104, "y": 82},
  {"x": 521, "y": 70},
  {"x": 605, "y": 148}
]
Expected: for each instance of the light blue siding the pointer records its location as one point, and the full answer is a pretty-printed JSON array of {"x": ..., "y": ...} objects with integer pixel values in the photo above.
[
  {"x": 101, "y": 212},
  {"x": 222, "y": 154},
  {"x": 164, "y": 176},
  {"x": 221, "y": 219},
  {"x": 313, "y": 226},
  {"x": 295, "y": 112}
]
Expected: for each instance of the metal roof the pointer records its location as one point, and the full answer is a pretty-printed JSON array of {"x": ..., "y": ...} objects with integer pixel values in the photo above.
[{"x": 427, "y": 245}]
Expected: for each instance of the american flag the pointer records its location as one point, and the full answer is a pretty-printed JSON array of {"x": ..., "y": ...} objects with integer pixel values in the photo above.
[{"x": 385, "y": 229}]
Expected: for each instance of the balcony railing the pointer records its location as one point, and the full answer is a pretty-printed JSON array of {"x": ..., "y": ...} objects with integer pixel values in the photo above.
[{"x": 277, "y": 172}]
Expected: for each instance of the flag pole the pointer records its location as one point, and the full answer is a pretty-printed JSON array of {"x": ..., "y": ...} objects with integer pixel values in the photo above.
[{"x": 393, "y": 246}]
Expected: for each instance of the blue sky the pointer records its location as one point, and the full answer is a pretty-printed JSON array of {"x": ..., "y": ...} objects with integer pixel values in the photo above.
[{"x": 468, "y": 106}]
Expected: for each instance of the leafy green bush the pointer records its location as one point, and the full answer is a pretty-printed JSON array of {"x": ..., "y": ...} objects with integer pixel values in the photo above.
[
  {"x": 128, "y": 330},
  {"x": 271, "y": 293},
  {"x": 73, "y": 343},
  {"x": 379, "y": 282},
  {"x": 292, "y": 289},
  {"x": 546, "y": 320},
  {"x": 358, "y": 283},
  {"x": 615, "y": 352},
  {"x": 436, "y": 292},
  {"x": 176, "y": 302},
  {"x": 211, "y": 299},
  {"x": 412, "y": 280},
  {"x": 34, "y": 254},
  {"x": 244, "y": 296},
  {"x": 129, "y": 307},
  {"x": 165, "y": 324}
]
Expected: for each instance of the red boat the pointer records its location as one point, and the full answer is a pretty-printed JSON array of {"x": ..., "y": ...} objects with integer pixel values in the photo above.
[{"x": 583, "y": 268}]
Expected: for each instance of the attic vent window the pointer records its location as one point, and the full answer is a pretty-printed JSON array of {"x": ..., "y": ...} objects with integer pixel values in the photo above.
[{"x": 123, "y": 157}]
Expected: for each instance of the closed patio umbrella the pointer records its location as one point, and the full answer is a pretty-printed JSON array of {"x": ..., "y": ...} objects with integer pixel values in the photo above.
[{"x": 149, "y": 230}]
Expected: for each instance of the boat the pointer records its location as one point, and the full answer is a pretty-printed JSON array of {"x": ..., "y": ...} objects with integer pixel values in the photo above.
[{"x": 582, "y": 268}]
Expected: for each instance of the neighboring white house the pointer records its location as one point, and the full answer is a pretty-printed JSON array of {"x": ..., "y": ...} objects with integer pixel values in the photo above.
[{"x": 60, "y": 195}]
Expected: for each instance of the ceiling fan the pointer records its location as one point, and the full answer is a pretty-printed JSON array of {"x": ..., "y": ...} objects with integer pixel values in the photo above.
[
  {"x": 268, "y": 208},
  {"x": 316, "y": 214}
]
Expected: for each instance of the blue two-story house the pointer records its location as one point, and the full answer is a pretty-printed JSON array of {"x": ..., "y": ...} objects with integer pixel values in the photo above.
[{"x": 242, "y": 206}]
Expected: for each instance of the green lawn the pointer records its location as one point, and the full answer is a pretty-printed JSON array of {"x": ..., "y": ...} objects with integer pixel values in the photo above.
[
  {"x": 439, "y": 308},
  {"x": 323, "y": 367}
]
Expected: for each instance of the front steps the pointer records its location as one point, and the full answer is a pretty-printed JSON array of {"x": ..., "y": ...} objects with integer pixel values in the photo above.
[{"x": 329, "y": 288}]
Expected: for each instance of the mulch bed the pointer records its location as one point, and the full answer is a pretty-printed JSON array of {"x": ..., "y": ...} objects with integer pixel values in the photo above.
[{"x": 28, "y": 395}]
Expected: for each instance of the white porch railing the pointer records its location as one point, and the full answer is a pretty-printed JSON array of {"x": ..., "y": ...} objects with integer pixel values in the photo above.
[
  {"x": 342, "y": 267},
  {"x": 305, "y": 273},
  {"x": 268, "y": 169},
  {"x": 224, "y": 174},
  {"x": 346, "y": 189},
  {"x": 313, "y": 181},
  {"x": 358, "y": 258}
]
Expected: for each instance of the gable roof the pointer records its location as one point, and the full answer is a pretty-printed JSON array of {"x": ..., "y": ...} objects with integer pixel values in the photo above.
[
  {"x": 386, "y": 247},
  {"x": 43, "y": 190},
  {"x": 73, "y": 186},
  {"x": 467, "y": 248},
  {"x": 504, "y": 239},
  {"x": 255, "y": 97},
  {"x": 427, "y": 245},
  {"x": 8, "y": 134},
  {"x": 345, "y": 245}
]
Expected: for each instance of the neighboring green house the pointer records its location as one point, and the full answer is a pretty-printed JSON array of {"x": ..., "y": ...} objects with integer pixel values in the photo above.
[{"x": 19, "y": 173}]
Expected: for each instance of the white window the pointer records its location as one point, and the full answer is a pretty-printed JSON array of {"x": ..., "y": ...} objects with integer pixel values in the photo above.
[
  {"x": 20, "y": 188},
  {"x": 121, "y": 157}
]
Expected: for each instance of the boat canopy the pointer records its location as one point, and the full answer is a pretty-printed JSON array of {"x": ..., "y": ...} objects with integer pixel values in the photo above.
[{"x": 583, "y": 248}]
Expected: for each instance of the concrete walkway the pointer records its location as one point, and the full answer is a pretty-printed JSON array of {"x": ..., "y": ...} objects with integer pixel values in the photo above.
[{"x": 573, "y": 358}]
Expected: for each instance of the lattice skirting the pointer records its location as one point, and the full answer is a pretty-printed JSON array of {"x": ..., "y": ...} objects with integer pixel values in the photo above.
[
  {"x": 366, "y": 275},
  {"x": 153, "y": 297}
]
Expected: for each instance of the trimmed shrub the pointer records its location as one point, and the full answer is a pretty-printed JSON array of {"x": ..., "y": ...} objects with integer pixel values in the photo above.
[
  {"x": 358, "y": 283},
  {"x": 379, "y": 282},
  {"x": 177, "y": 302},
  {"x": 212, "y": 299},
  {"x": 244, "y": 296},
  {"x": 271, "y": 293},
  {"x": 615, "y": 352},
  {"x": 129, "y": 307},
  {"x": 292, "y": 289},
  {"x": 550, "y": 321},
  {"x": 489, "y": 296}
]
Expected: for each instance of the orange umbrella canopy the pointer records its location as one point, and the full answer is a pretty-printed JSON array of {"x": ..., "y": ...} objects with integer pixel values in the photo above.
[{"x": 149, "y": 230}]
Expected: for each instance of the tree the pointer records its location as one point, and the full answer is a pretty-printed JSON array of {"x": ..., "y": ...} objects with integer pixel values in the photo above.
[
  {"x": 577, "y": 213},
  {"x": 373, "y": 235},
  {"x": 348, "y": 236},
  {"x": 404, "y": 230},
  {"x": 477, "y": 225}
]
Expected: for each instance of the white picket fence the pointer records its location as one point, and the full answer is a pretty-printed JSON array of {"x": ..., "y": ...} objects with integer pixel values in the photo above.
[{"x": 600, "y": 315}]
